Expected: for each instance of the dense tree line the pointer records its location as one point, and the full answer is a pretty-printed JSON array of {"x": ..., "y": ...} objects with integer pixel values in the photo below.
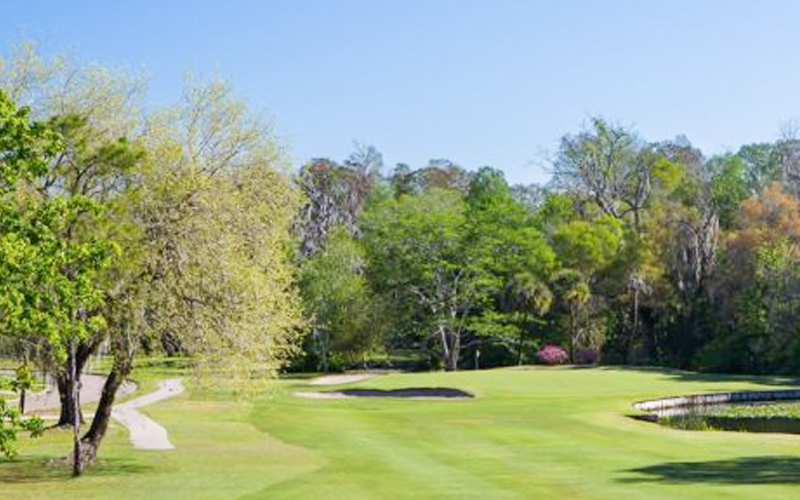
[{"x": 636, "y": 252}]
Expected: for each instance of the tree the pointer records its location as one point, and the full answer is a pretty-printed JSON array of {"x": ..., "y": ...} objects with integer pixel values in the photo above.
[
  {"x": 417, "y": 254},
  {"x": 530, "y": 298},
  {"x": 11, "y": 423},
  {"x": 48, "y": 288},
  {"x": 206, "y": 257},
  {"x": 588, "y": 246},
  {"x": 576, "y": 295},
  {"x": 22, "y": 383},
  {"x": 603, "y": 164},
  {"x": 202, "y": 220},
  {"x": 438, "y": 174},
  {"x": 338, "y": 301},
  {"x": 503, "y": 238},
  {"x": 96, "y": 112},
  {"x": 335, "y": 195},
  {"x": 728, "y": 187}
]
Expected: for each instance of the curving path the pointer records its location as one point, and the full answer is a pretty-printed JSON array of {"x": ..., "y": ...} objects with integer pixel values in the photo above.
[
  {"x": 91, "y": 389},
  {"x": 146, "y": 433}
]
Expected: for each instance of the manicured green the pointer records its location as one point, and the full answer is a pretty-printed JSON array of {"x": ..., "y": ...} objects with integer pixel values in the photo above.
[{"x": 560, "y": 433}]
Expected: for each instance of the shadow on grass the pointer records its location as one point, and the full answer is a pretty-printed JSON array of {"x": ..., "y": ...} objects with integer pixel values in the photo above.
[
  {"x": 44, "y": 469},
  {"x": 745, "y": 470},
  {"x": 688, "y": 376}
]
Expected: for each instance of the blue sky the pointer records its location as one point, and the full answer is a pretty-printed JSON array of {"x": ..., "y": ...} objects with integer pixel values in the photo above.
[{"x": 479, "y": 82}]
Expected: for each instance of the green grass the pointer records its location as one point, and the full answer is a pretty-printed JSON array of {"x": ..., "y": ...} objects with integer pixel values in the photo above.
[{"x": 531, "y": 434}]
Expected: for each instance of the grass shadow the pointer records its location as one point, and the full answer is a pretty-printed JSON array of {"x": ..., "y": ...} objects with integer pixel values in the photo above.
[
  {"x": 744, "y": 470},
  {"x": 40, "y": 469},
  {"x": 689, "y": 376}
]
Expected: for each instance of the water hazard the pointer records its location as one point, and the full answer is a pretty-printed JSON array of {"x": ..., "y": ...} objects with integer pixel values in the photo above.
[{"x": 761, "y": 416}]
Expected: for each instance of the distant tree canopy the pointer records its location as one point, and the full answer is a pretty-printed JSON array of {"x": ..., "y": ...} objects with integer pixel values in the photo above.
[{"x": 643, "y": 252}]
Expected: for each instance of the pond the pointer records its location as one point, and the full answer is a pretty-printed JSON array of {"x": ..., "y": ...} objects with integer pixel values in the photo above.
[{"x": 776, "y": 412}]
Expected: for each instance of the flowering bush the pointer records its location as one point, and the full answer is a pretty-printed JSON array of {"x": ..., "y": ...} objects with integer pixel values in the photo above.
[
  {"x": 553, "y": 355},
  {"x": 587, "y": 356}
]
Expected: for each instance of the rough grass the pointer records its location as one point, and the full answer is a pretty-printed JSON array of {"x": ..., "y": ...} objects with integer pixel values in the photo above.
[{"x": 540, "y": 433}]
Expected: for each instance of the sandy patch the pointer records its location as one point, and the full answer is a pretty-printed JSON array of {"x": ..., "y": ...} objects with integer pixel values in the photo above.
[{"x": 345, "y": 378}]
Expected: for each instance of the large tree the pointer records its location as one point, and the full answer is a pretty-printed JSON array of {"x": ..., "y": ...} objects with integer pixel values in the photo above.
[
  {"x": 339, "y": 302},
  {"x": 417, "y": 254},
  {"x": 97, "y": 114},
  {"x": 49, "y": 287},
  {"x": 200, "y": 204}
]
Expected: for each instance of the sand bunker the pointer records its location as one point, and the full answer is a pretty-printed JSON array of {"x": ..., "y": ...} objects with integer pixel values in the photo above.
[
  {"x": 408, "y": 393},
  {"x": 341, "y": 379}
]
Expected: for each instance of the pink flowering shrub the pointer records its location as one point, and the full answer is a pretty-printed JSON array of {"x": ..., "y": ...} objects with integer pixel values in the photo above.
[
  {"x": 587, "y": 356},
  {"x": 553, "y": 355}
]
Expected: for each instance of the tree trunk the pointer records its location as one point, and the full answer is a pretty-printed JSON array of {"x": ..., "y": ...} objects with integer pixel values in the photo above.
[
  {"x": 453, "y": 353},
  {"x": 93, "y": 438},
  {"x": 83, "y": 352},
  {"x": 66, "y": 395},
  {"x": 77, "y": 462},
  {"x": 573, "y": 333}
]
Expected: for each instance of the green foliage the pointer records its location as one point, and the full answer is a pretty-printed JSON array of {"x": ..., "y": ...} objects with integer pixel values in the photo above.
[
  {"x": 588, "y": 246},
  {"x": 557, "y": 209},
  {"x": 416, "y": 246},
  {"x": 11, "y": 420},
  {"x": 338, "y": 300},
  {"x": 668, "y": 174},
  {"x": 728, "y": 187},
  {"x": 47, "y": 280},
  {"x": 214, "y": 213},
  {"x": 11, "y": 423},
  {"x": 27, "y": 146},
  {"x": 24, "y": 379},
  {"x": 501, "y": 232}
]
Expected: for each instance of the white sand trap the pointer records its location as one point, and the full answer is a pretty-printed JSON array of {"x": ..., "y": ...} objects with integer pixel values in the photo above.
[
  {"x": 145, "y": 433},
  {"x": 341, "y": 379},
  {"x": 318, "y": 395}
]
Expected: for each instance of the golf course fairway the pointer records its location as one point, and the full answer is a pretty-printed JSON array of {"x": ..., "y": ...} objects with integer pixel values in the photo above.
[{"x": 530, "y": 433}]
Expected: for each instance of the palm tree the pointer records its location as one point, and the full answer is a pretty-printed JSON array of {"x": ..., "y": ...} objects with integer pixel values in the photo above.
[
  {"x": 637, "y": 285},
  {"x": 529, "y": 297},
  {"x": 576, "y": 294}
]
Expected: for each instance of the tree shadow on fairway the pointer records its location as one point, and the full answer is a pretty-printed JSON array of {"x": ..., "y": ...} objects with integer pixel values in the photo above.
[
  {"x": 744, "y": 470},
  {"x": 44, "y": 469},
  {"x": 688, "y": 376}
]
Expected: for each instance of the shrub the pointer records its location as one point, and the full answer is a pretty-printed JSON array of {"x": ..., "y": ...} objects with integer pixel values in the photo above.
[
  {"x": 587, "y": 356},
  {"x": 553, "y": 355}
]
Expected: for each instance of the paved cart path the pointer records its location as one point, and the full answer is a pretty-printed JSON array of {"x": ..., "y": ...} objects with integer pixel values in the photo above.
[
  {"x": 146, "y": 433},
  {"x": 48, "y": 399}
]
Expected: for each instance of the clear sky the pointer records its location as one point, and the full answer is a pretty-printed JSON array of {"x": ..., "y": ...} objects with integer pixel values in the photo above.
[{"x": 491, "y": 82}]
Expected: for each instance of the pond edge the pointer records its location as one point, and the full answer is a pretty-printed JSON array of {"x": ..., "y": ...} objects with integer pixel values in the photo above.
[{"x": 716, "y": 398}]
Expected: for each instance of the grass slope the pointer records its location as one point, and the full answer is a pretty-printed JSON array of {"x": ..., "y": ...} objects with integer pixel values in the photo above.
[{"x": 538, "y": 433}]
